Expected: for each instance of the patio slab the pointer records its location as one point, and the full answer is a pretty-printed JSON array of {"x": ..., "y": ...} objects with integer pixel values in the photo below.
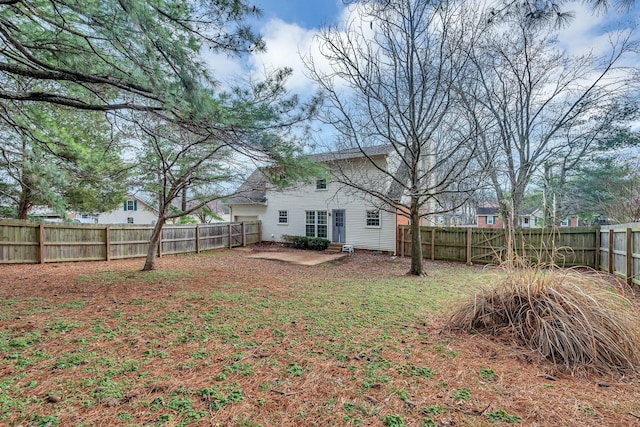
[{"x": 300, "y": 258}]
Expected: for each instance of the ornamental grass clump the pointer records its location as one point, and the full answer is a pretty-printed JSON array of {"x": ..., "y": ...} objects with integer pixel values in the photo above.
[{"x": 576, "y": 320}]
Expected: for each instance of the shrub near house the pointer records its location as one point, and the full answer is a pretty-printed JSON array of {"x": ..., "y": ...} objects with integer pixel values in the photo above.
[{"x": 304, "y": 242}]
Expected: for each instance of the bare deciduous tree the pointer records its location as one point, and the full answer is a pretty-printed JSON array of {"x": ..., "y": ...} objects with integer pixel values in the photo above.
[
  {"x": 535, "y": 104},
  {"x": 395, "y": 70}
]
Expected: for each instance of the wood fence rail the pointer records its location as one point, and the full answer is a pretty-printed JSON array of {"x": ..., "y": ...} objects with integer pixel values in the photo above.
[
  {"x": 568, "y": 246},
  {"x": 620, "y": 251},
  {"x": 28, "y": 242}
]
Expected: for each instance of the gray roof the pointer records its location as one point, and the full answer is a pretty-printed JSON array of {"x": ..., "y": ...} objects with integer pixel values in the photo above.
[
  {"x": 527, "y": 211},
  {"x": 254, "y": 189},
  {"x": 487, "y": 211},
  {"x": 353, "y": 153}
]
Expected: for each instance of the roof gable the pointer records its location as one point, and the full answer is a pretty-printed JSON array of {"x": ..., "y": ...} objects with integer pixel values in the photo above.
[{"x": 254, "y": 189}]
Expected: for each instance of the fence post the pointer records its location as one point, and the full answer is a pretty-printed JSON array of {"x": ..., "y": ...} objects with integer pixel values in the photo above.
[
  {"x": 433, "y": 244},
  {"x": 402, "y": 242},
  {"x": 244, "y": 234},
  {"x": 107, "y": 242},
  {"x": 611, "y": 247},
  {"x": 598, "y": 243},
  {"x": 230, "y": 237},
  {"x": 198, "y": 238},
  {"x": 469, "y": 231},
  {"x": 41, "y": 243},
  {"x": 629, "y": 256}
]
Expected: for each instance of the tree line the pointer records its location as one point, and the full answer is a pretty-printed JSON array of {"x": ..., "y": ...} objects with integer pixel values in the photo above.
[
  {"x": 472, "y": 97},
  {"x": 97, "y": 96}
]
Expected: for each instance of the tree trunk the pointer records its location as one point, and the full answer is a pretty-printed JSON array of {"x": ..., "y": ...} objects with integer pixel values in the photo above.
[
  {"x": 509, "y": 257},
  {"x": 150, "y": 263},
  {"x": 25, "y": 203},
  {"x": 416, "y": 240}
]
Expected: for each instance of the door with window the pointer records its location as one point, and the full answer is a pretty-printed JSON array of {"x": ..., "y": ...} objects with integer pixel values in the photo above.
[{"x": 338, "y": 235}]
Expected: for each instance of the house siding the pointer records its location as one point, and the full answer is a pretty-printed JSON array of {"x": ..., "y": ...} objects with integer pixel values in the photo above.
[
  {"x": 298, "y": 200},
  {"x": 307, "y": 198},
  {"x": 482, "y": 222},
  {"x": 143, "y": 214}
]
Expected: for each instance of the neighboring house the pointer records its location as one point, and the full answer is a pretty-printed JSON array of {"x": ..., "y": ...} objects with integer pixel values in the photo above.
[
  {"x": 45, "y": 214},
  {"x": 132, "y": 211},
  {"x": 600, "y": 220},
  {"x": 488, "y": 217},
  {"x": 572, "y": 221},
  {"x": 403, "y": 219},
  {"x": 80, "y": 218},
  {"x": 449, "y": 220},
  {"x": 218, "y": 212},
  {"x": 323, "y": 208},
  {"x": 531, "y": 218}
]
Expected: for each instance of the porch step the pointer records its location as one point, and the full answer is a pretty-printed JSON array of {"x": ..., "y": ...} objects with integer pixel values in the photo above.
[{"x": 334, "y": 248}]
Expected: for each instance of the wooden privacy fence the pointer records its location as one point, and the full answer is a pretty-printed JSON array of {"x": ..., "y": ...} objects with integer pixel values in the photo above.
[
  {"x": 25, "y": 242},
  {"x": 569, "y": 246},
  {"x": 620, "y": 251}
]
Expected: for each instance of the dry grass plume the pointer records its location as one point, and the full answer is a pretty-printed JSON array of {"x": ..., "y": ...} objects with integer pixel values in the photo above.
[{"x": 576, "y": 320}]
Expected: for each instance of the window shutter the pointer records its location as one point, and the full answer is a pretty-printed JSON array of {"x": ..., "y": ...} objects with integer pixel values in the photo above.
[
  {"x": 135, "y": 205},
  {"x": 125, "y": 205}
]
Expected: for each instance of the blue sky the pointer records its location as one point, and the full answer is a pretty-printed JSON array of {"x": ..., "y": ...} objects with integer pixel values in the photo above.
[
  {"x": 305, "y": 13},
  {"x": 289, "y": 28}
]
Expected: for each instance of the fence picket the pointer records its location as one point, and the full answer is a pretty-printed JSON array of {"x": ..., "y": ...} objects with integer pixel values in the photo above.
[
  {"x": 485, "y": 246},
  {"x": 28, "y": 242}
]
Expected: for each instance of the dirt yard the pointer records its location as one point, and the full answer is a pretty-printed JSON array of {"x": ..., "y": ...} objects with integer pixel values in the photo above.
[{"x": 223, "y": 339}]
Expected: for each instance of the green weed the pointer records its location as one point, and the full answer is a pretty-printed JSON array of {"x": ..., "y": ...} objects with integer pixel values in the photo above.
[
  {"x": 502, "y": 415},
  {"x": 461, "y": 393},
  {"x": 295, "y": 370},
  {"x": 392, "y": 420},
  {"x": 488, "y": 374},
  {"x": 432, "y": 410}
]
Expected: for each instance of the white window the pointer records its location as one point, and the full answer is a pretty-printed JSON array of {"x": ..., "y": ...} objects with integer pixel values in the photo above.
[
  {"x": 373, "y": 218},
  {"x": 130, "y": 220},
  {"x": 490, "y": 219},
  {"x": 283, "y": 217},
  {"x": 316, "y": 224},
  {"x": 131, "y": 205},
  {"x": 321, "y": 184},
  {"x": 565, "y": 222}
]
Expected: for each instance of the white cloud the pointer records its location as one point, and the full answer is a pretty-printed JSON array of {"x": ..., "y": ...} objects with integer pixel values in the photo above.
[
  {"x": 286, "y": 43},
  {"x": 589, "y": 30},
  {"x": 224, "y": 69}
]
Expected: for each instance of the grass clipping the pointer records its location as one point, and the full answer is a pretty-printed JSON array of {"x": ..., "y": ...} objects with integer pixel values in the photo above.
[{"x": 575, "y": 320}]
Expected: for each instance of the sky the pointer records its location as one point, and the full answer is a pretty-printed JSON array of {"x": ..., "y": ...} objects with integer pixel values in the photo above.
[
  {"x": 289, "y": 28},
  {"x": 307, "y": 14}
]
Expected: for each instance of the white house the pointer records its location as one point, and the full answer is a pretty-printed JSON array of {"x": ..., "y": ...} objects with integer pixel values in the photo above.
[
  {"x": 323, "y": 208},
  {"x": 132, "y": 211}
]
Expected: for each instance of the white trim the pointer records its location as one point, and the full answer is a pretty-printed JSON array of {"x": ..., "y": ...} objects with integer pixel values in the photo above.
[
  {"x": 326, "y": 184},
  {"x": 285, "y": 217},
  {"x": 316, "y": 223},
  {"x": 379, "y": 218}
]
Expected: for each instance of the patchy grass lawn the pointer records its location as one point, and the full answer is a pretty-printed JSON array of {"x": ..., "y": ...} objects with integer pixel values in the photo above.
[{"x": 219, "y": 339}]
